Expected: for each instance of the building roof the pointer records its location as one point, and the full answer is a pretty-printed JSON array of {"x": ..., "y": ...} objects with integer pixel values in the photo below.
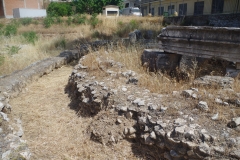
[{"x": 111, "y": 6}]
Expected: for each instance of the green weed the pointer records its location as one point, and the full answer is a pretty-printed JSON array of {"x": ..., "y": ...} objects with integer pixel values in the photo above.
[
  {"x": 1, "y": 29},
  {"x": 30, "y": 36},
  {"x": 1, "y": 59},
  {"x": 79, "y": 19},
  {"x": 69, "y": 21},
  {"x": 93, "y": 21},
  {"x": 10, "y": 30},
  {"x": 26, "y": 21},
  {"x": 60, "y": 43},
  {"x": 123, "y": 29},
  {"x": 48, "y": 21},
  {"x": 59, "y": 20},
  {"x": 12, "y": 50},
  {"x": 35, "y": 22}
]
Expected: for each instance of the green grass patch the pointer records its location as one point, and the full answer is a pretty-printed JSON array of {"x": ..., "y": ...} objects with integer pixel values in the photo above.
[
  {"x": 61, "y": 43},
  {"x": 1, "y": 59},
  {"x": 79, "y": 19},
  {"x": 10, "y": 30},
  {"x": 124, "y": 29},
  {"x": 30, "y": 36},
  {"x": 26, "y": 21},
  {"x": 48, "y": 21},
  {"x": 12, "y": 50}
]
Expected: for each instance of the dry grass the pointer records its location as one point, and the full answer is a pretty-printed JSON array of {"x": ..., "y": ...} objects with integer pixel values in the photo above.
[
  {"x": 130, "y": 57},
  {"x": 46, "y": 44},
  {"x": 53, "y": 130}
]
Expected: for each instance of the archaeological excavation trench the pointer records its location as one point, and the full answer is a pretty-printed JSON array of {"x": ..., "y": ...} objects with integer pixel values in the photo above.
[{"x": 102, "y": 110}]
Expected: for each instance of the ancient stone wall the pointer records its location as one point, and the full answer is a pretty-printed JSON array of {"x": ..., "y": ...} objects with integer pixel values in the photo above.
[{"x": 221, "y": 20}]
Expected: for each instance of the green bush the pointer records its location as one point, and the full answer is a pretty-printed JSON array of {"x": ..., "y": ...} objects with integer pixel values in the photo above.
[
  {"x": 79, "y": 19},
  {"x": 26, "y": 21},
  {"x": 59, "y": 9},
  {"x": 30, "y": 36},
  {"x": 93, "y": 21},
  {"x": 48, "y": 21},
  {"x": 10, "y": 30}
]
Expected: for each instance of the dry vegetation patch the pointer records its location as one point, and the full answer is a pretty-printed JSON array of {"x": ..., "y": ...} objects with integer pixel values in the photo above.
[
  {"x": 16, "y": 53},
  {"x": 53, "y": 130}
]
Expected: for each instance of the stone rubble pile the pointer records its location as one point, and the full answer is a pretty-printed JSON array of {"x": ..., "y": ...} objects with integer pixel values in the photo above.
[{"x": 131, "y": 112}]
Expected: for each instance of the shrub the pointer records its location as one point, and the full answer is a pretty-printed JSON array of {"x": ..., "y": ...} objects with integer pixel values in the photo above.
[
  {"x": 10, "y": 29},
  {"x": 30, "y": 36},
  {"x": 93, "y": 21},
  {"x": 79, "y": 19},
  {"x": 26, "y": 21},
  {"x": 48, "y": 21},
  {"x": 59, "y": 9}
]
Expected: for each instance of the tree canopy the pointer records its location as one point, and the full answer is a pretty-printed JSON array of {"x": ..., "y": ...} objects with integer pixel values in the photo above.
[{"x": 93, "y": 6}]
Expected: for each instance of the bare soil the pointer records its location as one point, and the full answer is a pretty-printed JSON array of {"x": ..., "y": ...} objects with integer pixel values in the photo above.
[{"x": 54, "y": 131}]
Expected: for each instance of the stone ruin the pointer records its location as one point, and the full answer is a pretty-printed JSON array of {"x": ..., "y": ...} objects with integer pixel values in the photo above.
[{"x": 123, "y": 110}]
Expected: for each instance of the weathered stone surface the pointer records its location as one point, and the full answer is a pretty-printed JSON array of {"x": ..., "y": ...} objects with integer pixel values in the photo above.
[
  {"x": 1, "y": 106},
  {"x": 167, "y": 62},
  {"x": 203, "y": 105},
  {"x": 218, "y": 149},
  {"x": 4, "y": 116},
  {"x": 215, "y": 116},
  {"x": 215, "y": 81},
  {"x": 235, "y": 154},
  {"x": 155, "y": 59},
  {"x": 187, "y": 93},
  {"x": 179, "y": 121},
  {"x": 134, "y": 36},
  {"x": 201, "y": 41},
  {"x": 131, "y": 130},
  {"x": 204, "y": 149},
  {"x": 234, "y": 123},
  {"x": 219, "y": 101}
]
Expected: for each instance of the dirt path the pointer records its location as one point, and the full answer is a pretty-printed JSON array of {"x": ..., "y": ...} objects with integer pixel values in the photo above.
[{"x": 53, "y": 130}]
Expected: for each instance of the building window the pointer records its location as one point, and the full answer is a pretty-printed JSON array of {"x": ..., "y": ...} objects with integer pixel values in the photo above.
[
  {"x": 217, "y": 6},
  {"x": 126, "y": 5},
  {"x": 170, "y": 9},
  {"x": 198, "y": 8},
  {"x": 152, "y": 11},
  {"x": 160, "y": 11},
  {"x": 182, "y": 9}
]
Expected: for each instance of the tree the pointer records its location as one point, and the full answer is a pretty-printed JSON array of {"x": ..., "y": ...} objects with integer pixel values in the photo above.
[
  {"x": 59, "y": 9},
  {"x": 93, "y": 6}
]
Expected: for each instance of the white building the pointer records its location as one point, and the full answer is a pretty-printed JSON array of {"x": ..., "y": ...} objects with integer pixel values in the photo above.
[{"x": 110, "y": 10}]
